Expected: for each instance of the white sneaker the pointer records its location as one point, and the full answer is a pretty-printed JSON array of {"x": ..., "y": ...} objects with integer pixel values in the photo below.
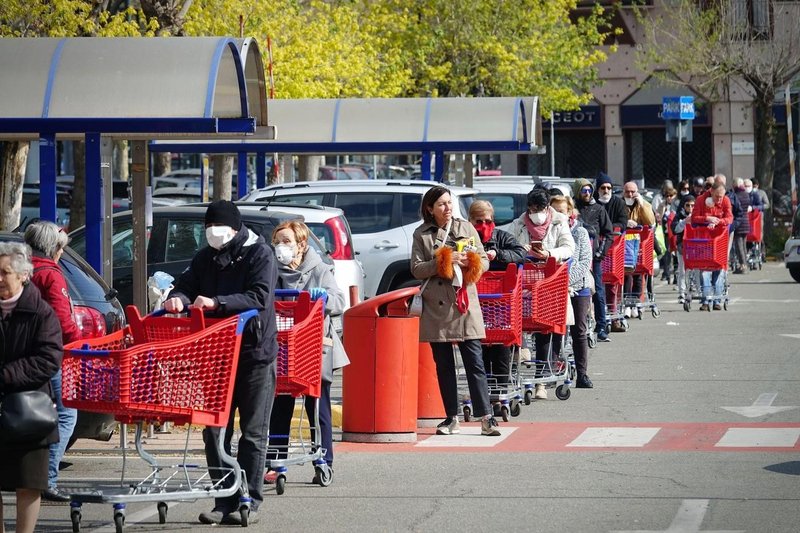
[
  {"x": 489, "y": 427},
  {"x": 449, "y": 426},
  {"x": 627, "y": 312},
  {"x": 540, "y": 393}
]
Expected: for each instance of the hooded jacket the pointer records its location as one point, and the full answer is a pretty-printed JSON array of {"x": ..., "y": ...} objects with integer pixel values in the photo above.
[
  {"x": 595, "y": 219},
  {"x": 311, "y": 273},
  {"x": 241, "y": 276},
  {"x": 49, "y": 279}
]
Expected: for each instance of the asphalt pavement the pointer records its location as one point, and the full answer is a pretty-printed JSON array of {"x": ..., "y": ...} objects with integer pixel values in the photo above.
[{"x": 693, "y": 425}]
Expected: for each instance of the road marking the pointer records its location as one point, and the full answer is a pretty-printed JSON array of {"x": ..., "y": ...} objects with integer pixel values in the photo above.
[
  {"x": 688, "y": 520},
  {"x": 791, "y": 335},
  {"x": 762, "y": 406},
  {"x": 623, "y": 437},
  {"x": 759, "y": 438},
  {"x": 470, "y": 437},
  {"x": 762, "y": 301}
]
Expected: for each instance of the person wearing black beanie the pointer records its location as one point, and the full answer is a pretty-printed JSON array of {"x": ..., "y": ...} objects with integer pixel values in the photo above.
[{"x": 223, "y": 213}]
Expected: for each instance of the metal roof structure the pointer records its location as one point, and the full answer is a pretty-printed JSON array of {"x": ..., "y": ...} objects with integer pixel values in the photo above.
[
  {"x": 386, "y": 125},
  {"x": 129, "y": 88}
]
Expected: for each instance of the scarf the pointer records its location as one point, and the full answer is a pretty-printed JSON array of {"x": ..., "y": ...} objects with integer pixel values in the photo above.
[{"x": 537, "y": 233}]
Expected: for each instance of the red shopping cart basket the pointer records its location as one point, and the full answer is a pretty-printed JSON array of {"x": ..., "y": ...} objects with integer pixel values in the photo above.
[
  {"x": 756, "y": 223},
  {"x": 614, "y": 262},
  {"x": 500, "y": 295},
  {"x": 705, "y": 248},
  {"x": 300, "y": 330},
  {"x": 545, "y": 290},
  {"x": 184, "y": 380},
  {"x": 644, "y": 261}
]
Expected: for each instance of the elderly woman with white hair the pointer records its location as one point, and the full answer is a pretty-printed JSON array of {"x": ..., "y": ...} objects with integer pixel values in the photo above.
[
  {"x": 30, "y": 354},
  {"x": 47, "y": 241}
]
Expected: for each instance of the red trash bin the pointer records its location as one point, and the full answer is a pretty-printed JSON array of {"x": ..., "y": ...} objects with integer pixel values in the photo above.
[{"x": 379, "y": 386}]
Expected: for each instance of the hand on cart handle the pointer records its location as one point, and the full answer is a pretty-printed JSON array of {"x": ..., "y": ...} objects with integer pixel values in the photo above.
[
  {"x": 201, "y": 303},
  {"x": 318, "y": 293},
  {"x": 173, "y": 305}
]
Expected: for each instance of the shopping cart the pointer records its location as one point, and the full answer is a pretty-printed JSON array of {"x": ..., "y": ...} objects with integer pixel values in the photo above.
[
  {"x": 500, "y": 297},
  {"x": 185, "y": 377},
  {"x": 643, "y": 269},
  {"x": 754, "y": 243},
  {"x": 299, "y": 369},
  {"x": 613, "y": 265},
  {"x": 705, "y": 249},
  {"x": 545, "y": 293}
]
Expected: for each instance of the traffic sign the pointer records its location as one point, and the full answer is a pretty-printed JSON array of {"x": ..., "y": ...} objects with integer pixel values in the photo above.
[{"x": 677, "y": 108}]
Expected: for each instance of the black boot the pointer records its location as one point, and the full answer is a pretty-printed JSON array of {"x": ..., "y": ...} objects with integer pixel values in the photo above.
[{"x": 583, "y": 382}]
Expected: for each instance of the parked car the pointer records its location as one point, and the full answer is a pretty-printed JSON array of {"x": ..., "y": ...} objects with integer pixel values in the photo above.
[
  {"x": 177, "y": 233},
  {"x": 346, "y": 172},
  {"x": 382, "y": 214},
  {"x": 31, "y": 201},
  {"x": 97, "y": 312},
  {"x": 791, "y": 250}
]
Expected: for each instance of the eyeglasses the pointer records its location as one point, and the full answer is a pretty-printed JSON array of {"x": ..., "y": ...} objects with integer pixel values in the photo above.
[
  {"x": 684, "y": 188},
  {"x": 584, "y": 190},
  {"x": 605, "y": 187}
]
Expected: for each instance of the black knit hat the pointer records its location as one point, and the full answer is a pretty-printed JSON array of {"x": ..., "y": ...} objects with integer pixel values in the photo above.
[
  {"x": 602, "y": 179},
  {"x": 224, "y": 212}
]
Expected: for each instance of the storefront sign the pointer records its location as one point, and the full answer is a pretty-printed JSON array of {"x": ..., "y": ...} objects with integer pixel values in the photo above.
[
  {"x": 743, "y": 148},
  {"x": 585, "y": 117}
]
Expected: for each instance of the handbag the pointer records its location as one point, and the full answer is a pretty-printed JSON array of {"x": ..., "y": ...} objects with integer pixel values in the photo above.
[
  {"x": 27, "y": 417},
  {"x": 415, "y": 308}
]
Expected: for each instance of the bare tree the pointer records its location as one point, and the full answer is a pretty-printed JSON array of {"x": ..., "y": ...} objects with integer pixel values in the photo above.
[
  {"x": 13, "y": 156},
  {"x": 713, "y": 44}
]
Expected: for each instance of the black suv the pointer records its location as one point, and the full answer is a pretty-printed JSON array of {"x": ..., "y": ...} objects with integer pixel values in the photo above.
[
  {"x": 97, "y": 312},
  {"x": 177, "y": 233}
]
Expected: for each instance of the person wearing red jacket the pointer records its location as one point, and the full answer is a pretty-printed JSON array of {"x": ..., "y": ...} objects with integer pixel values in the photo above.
[
  {"x": 47, "y": 242},
  {"x": 713, "y": 208}
]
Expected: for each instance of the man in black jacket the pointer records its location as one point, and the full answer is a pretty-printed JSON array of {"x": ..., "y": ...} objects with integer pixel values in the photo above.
[
  {"x": 618, "y": 214},
  {"x": 235, "y": 273},
  {"x": 596, "y": 221}
]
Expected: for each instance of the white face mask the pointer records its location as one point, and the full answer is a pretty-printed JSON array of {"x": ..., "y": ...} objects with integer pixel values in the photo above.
[
  {"x": 629, "y": 201},
  {"x": 748, "y": 189},
  {"x": 285, "y": 253},
  {"x": 538, "y": 218},
  {"x": 219, "y": 236},
  {"x": 709, "y": 202},
  {"x": 604, "y": 198},
  {"x": 684, "y": 193}
]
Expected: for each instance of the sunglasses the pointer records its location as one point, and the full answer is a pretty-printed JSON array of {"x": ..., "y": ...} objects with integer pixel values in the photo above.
[
  {"x": 585, "y": 190},
  {"x": 684, "y": 188}
]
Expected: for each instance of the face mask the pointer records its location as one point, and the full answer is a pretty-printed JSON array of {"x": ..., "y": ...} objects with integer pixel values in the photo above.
[
  {"x": 285, "y": 253},
  {"x": 219, "y": 236},
  {"x": 748, "y": 189},
  {"x": 709, "y": 202},
  {"x": 572, "y": 219},
  {"x": 604, "y": 198},
  {"x": 538, "y": 218},
  {"x": 684, "y": 193},
  {"x": 629, "y": 201},
  {"x": 485, "y": 230}
]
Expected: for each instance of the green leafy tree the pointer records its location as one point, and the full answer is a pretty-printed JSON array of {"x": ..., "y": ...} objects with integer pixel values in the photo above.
[{"x": 718, "y": 43}]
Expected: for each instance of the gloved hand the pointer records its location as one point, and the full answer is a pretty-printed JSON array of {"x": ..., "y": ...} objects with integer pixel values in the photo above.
[{"x": 317, "y": 293}]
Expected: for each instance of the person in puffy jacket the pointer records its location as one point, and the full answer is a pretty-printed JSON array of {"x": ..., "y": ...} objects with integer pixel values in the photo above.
[
  {"x": 302, "y": 268},
  {"x": 47, "y": 241},
  {"x": 30, "y": 355},
  {"x": 741, "y": 225},
  {"x": 236, "y": 272}
]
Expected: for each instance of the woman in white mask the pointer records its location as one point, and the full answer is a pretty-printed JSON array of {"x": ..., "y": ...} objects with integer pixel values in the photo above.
[
  {"x": 545, "y": 233},
  {"x": 300, "y": 267}
]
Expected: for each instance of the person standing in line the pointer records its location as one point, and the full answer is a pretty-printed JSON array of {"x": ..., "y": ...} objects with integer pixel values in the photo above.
[
  {"x": 678, "y": 225},
  {"x": 47, "y": 241},
  {"x": 741, "y": 226},
  {"x": 447, "y": 253},
  {"x": 594, "y": 218},
  {"x": 618, "y": 214},
  {"x": 640, "y": 213},
  {"x": 502, "y": 249},
  {"x": 302, "y": 268},
  {"x": 30, "y": 355},
  {"x": 712, "y": 208},
  {"x": 236, "y": 272}
]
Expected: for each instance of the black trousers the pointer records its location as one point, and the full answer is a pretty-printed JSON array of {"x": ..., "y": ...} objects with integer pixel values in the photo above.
[
  {"x": 472, "y": 357},
  {"x": 281, "y": 421},
  {"x": 579, "y": 332},
  {"x": 496, "y": 361},
  {"x": 253, "y": 394}
]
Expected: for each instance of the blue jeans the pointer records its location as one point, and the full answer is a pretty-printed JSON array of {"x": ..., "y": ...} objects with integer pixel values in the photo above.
[
  {"x": 66, "y": 423},
  {"x": 599, "y": 298},
  {"x": 716, "y": 280}
]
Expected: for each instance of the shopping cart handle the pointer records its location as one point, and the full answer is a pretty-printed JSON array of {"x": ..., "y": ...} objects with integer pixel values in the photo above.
[
  {"x": 490, "y": 296},
  {"x": 315, "y": 292},
  {"x": 87, "y": 352}
]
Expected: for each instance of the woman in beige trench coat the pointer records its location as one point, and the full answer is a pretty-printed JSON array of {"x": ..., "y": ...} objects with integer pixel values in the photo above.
[{"x": 451, "y": 312}]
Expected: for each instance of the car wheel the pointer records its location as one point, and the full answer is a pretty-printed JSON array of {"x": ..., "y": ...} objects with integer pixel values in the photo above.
[{"x": 794, "y": 271}]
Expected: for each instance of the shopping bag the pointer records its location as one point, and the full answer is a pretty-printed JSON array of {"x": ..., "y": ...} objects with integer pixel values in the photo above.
[{"x": 632, "y": 244}]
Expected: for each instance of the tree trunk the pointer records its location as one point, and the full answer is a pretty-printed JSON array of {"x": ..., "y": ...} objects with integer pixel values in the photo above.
[
  {"x": 120, "y": 171},
  {"x": 162, "y": 163},
  {"x": 223, "y": 174},
  {"x": 13, "y": 158},
  {"x": 77, "y": 209},
  {"x": 308, "y": 167},
  {"x": 765, "y": 148}
]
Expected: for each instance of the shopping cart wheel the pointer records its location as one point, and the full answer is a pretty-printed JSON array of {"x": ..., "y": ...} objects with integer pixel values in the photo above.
[
  {"x": 467, "y": 413},
  {"x": 563, "y": 392},
  {"x": 504, "y": 412},
  {"x": 687, "y": 305},
  {"x": 725, "y": 305},
  {"x": 656, "y": 312},
  {"x": 592, "y": 338},
  {"x": 119, "y": 521},
  {"x": 280, "y": 484},
  {"x": 323, "y": 475},
  {"x": 528, "y": 396},
  {"x": 75, "y": 516},
  {"x": 516, "y": 409},
  {"x": 162, "y": 512},
  {"x": 244, "y": 513}
]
